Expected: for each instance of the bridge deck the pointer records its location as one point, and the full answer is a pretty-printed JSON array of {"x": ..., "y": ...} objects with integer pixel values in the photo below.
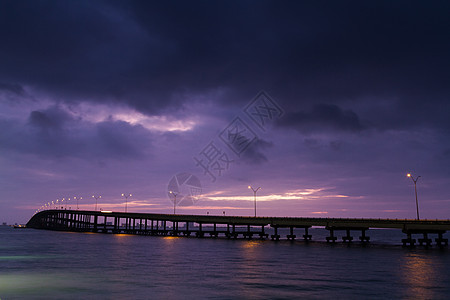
[{"x": 230, "y": 226}]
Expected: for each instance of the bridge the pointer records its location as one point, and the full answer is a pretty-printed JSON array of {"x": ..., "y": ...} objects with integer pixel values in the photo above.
[{"x": 234, "y": 226}]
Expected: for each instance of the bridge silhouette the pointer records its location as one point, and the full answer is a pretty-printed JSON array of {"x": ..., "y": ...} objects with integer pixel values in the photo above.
[{"x": 233, "y": 226}]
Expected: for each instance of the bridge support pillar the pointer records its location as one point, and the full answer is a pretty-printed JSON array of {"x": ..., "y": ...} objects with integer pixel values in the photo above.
[
  {"x": 348, "y": 238},
  {"x": 291, "y": 236},
  {"x": 363, "y": 238},
  {"x": 165, "y": 227},
  {"x": 234, "y": 234},
  {"x": 187, "y": 232},
  {"x": 248, "y": 234},
  {"x": 115, "y": 230},
  {"x": 200, "y": 232},
  {"x": 214, "y": 233},
  {"x": 95, "y": 223},
  {"x": 425, "y": 240},
  {"x": 307, "y": 236},
  {"x": 409, "y": 240},
  {"x": 275, "y": 236},
  {"x": 441, "y": 242},
  {"x": 331, "y": 238},
  {"x": 262, "y": 234},
  {"x": 174, "y": 228},
  {"x": 104, "y": 224},
  {"x": 156, "y": 231}
]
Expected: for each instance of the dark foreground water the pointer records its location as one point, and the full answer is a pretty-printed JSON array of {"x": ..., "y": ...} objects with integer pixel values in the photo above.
[{"x": 38, "y": 264}]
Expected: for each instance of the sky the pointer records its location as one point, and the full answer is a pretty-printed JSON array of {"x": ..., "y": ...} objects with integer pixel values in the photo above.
[{"x": 325, "y": 105}]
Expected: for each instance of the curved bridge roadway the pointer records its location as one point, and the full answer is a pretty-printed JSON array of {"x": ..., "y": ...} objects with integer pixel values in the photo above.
[{"x": 231, "y": 226}]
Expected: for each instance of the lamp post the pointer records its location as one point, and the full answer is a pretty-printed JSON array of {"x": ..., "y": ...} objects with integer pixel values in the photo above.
[
  {"x": 126, "y": 200},
  {"x": 415, "y": 191},
  {"x": 254, "y": 193},
  {"x": 80, "y": 198},
  {"x": 96, "y": 198},
  {"x": 174, "y": 200}
]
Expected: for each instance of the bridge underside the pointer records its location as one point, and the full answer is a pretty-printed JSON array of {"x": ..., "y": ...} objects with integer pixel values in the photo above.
[{"x": 232, "y": 227}]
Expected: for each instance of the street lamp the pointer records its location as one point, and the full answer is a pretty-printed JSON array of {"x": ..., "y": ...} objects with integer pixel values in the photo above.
[
  {"x": 79, "y": 198},
  {"x": 96, "y": 198},
  {"x": 174, "y": 200},
  {"x": 254, "y": 193},
  {"x": 415, "y": 191},
  {"x": 126, "y": 200}
]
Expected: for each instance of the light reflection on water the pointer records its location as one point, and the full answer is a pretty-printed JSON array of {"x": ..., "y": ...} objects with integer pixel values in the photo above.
[
  {"x": 420, "y": 272},
  {"x": 58, "y": 265}
]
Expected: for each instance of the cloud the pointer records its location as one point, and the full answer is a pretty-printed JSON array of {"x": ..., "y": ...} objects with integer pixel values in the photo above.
[
  {"x": 254, "y": 155},
  {"x": 150, "y": 56},
  {"x": 52, "y": 118},
  {"x": 322, "y": 117},
  {"x": 13, "y": 88},
  {"x": 54, "y": 133},
  {"x": 143, "y": 86}
]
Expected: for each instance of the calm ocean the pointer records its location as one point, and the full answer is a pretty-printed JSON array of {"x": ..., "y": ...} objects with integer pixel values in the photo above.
[{"x": 39, "y": 264}]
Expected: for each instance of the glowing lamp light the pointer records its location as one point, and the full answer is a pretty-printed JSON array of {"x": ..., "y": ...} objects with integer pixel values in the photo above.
[
  {"x": 126, "y": 200},
  {"x": 96, "y": 200},
  {"x": 174, "y": 200},
  {"x": 415, "y": 192}
]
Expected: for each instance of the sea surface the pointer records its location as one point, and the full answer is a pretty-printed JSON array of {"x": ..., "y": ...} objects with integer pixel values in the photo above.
[{"x": 40, "y": 264}]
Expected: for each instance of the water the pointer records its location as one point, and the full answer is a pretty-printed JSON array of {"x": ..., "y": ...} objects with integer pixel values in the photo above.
[{"x": 39, "y": 264}]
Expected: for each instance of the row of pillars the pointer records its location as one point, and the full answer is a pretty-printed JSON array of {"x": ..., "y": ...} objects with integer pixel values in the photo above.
[
  {"x": 83, "y": 222},
  {"x": 230, "y": 232},
  {"x": 291, "y": 236},
  {"x": 331, "y": 238},
  {"x": 425, "y": 241},
  {"x": 64, "y": 221},
  {"x": 347, "y": 238},
  {"x": 160, "y": 227}
]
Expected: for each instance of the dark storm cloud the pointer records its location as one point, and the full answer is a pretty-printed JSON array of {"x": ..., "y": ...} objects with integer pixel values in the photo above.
[
  {"x": 16, "y": 89},
  {"x": 54, "y": 133},
  {"x": 149, "y": 54},
  {"x": 50, "y": 119},
  {"x": 76, "y": 49},
  {"x": 12, "y": 92},
  {"x": 254, "y": 153},
  {"x": 322, "y": 117}
]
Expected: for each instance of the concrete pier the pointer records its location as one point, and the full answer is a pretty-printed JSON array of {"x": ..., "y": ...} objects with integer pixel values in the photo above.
[
  {"x": 331, "y": 238},
  {"x": 363, "y": 238},
  {"x": 234, "y": 227}
]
